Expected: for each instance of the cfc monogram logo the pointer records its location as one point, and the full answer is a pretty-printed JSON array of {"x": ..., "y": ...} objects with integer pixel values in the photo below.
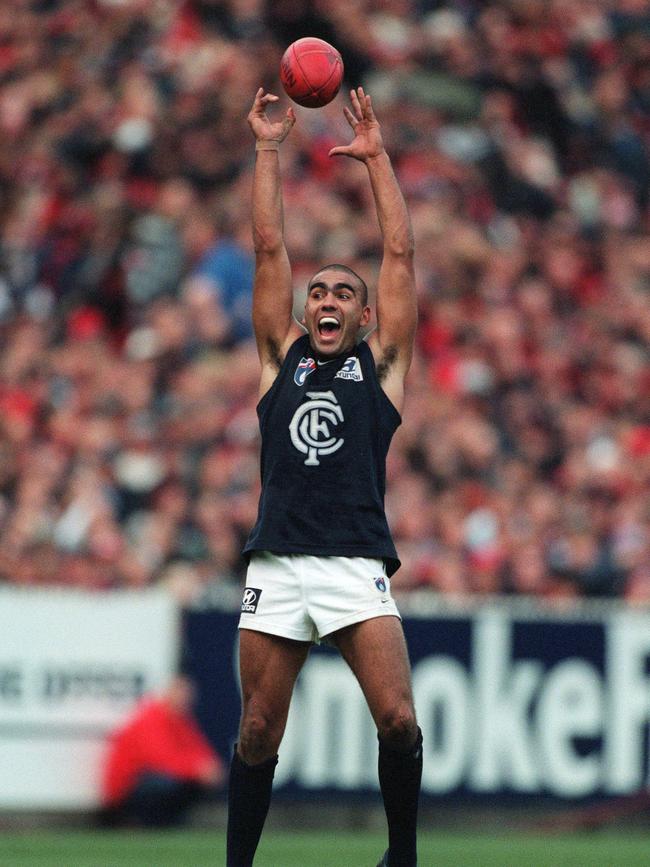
[{"x": 310, "y": 427}]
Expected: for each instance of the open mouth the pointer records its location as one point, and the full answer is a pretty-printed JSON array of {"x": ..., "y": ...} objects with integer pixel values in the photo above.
[{"x": 328, "y": 326}]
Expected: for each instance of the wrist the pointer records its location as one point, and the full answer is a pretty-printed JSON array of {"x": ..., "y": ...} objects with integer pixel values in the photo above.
[
  {"x": 267, "y": 144},
  {"x": 379, "y": 155}
]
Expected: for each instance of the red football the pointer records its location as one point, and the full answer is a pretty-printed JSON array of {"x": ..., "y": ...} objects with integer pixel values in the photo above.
[{"x": 311, "y": 72}]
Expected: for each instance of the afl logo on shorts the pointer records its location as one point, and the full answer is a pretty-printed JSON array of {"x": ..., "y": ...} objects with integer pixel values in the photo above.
[
  {"x": 250, "y": 600},
  {"x": 311, "y": 426},
  {"x": 380, "y": 584}
]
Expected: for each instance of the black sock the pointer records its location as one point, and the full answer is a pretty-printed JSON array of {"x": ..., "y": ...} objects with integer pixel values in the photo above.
[
  {"x": 249, "y": 796},
  {"x": 400, "y": 775}
]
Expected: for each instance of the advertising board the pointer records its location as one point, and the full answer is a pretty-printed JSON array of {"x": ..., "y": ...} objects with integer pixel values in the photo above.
[
  {"x": 71, "y": 666},
  {"x": 510, "y": 703}
]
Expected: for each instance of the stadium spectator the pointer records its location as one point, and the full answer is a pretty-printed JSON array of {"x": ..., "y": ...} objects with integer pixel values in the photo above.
[
  {"x": 520, "y": 134},
  {"x": 218, "y": 289},
  {"x": 158, "y": 763}
]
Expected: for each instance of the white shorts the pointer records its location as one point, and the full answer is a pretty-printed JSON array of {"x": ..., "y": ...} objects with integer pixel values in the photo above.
[{"x": 304, "y": 597}]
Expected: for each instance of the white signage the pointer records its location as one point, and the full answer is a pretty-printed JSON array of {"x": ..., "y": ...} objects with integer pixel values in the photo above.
[
  {"x": 500, "y": 724},
  {"x": 71, "y": 667}
]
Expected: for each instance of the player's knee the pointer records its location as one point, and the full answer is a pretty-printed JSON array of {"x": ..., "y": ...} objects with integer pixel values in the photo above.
[
  {"x": 398, "y": 727},
  {"x": 258, "y": 739}
]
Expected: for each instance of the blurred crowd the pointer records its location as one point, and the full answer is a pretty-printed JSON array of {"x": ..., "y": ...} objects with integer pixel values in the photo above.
[{"x": 520, "y": 132}]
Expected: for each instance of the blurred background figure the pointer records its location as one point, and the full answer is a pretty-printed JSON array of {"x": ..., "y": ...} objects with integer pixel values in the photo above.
[{"x": 159, "y": 764}]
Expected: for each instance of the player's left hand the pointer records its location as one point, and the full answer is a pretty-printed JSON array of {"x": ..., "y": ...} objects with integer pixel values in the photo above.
[{"x": 367, "y": 141}]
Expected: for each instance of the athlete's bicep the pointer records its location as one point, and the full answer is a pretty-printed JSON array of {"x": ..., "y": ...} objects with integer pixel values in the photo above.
[
  {"x": 272, "y": 299},
  {"x": 392, "y": 341},
  {"x": 397, "y": 307},
  {"x": 273, "y": 323}
]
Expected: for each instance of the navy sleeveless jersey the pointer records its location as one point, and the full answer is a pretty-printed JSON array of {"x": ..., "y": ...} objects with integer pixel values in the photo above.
[{"x": 326, "y": 429}]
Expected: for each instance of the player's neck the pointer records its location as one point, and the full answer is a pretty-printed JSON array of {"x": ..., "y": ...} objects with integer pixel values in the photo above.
[{"x": 343, "y": 352}]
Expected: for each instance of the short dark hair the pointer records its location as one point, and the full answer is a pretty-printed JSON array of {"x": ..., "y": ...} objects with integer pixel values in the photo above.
[{"x": 338, "y": 267}]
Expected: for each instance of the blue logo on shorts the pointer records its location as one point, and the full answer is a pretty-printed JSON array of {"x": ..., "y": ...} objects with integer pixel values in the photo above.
[{"x": 380, "y": 584}]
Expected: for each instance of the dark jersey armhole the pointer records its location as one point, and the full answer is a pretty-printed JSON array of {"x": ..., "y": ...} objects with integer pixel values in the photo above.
[{"x": 266, "y": 397}]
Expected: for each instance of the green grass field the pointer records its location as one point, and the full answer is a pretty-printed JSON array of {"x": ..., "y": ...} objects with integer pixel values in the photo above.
[{"x": 319, "y": 849}]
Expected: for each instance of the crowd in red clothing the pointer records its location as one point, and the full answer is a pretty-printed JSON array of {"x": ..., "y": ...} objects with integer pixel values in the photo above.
[
  {"x": 520, "y": 133},
  {"x": 158, "y": 763}
]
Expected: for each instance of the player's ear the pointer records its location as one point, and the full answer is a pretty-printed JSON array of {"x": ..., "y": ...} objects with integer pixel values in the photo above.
[
  {"x": 365, "y": 316},
  {"x": 304, "y": 309}
]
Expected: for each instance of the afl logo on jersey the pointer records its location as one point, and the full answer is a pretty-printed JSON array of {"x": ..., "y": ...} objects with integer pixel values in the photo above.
[
  {"x": 312, "y": 424},
  {"x": 305, "y": 367}
]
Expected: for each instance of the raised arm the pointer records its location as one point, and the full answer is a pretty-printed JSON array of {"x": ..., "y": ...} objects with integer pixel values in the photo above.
[
  {"x": 392, "y": 342},
  {"x": 273, "y": 322}
]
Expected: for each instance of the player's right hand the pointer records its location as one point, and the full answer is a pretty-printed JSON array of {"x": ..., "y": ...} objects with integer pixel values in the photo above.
[{"x": 263, "y": 128}]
